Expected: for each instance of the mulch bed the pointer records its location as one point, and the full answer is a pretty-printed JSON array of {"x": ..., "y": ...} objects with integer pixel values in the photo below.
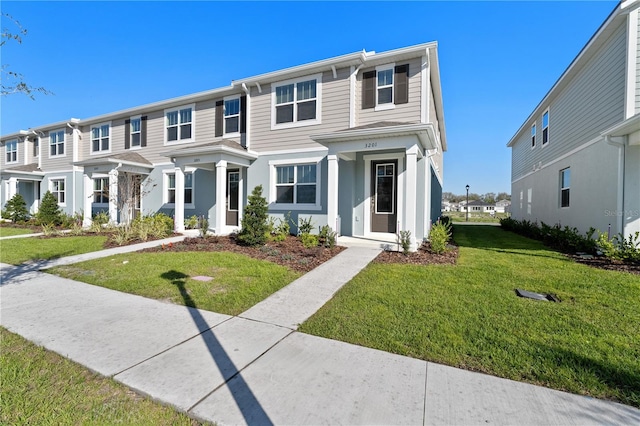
[
  {"x": 290, "y": 252},
  {"x": 608, "y": 264},
  {"x": 423, "y": 256}
]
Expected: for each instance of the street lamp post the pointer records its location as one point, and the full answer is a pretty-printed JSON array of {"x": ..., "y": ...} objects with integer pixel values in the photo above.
[{"x": 467, "y": 205}]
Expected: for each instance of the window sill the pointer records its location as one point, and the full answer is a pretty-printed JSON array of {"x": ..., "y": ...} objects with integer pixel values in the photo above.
[
  {"x": 231, "y": 135},
  {"x": 100, "y": 152},
  {"x": 295, "y": 124},
  {"x": 179, "y": 142},
  {"x": 58, "y": 156},
  {"x": 384, "y": 107},
  {"x": 292, "y": 206},
  {"x": 173, "y": 206}
]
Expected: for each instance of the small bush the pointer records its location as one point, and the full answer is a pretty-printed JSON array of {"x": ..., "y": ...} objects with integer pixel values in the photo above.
[
  {"x": 122, "y": 235},
  {"x": 49, "y": 212},
  {"x": 281, "y": 229},
  {"x": 327, "y": 237},
  {"x": 404, "y": 240},
  {"x": 255, "y": 228},
  {"x": 439, "y": 237},
  {"x": 204, "y": 227},
  {"x": 192, "y": 222},
  {"x": 16, "y": 209},
  {"x": 76, "y": 229},
  {"x": 305, "y": 226},
  {"x": 49, "y": 230},
  {"x": 309, "y": 240}
]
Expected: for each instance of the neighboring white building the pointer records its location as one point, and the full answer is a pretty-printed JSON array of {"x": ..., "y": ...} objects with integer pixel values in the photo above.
[
  {"x": 503, "y": 206},
  {"x": 576, "y": 158}
]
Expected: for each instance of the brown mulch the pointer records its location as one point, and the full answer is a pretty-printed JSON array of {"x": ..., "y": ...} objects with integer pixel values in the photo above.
[
  {"x": 290, "y": 252},
  {"x": 423, "y": 256},
  {"x": 608, "y": 264}
]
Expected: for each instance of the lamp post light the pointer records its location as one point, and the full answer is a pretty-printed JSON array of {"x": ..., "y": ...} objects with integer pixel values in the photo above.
[{"x": 467, "y": 205}]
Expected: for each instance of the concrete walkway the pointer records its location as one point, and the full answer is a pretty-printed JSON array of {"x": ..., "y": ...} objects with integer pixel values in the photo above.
[{"x": 255, "y": 369}]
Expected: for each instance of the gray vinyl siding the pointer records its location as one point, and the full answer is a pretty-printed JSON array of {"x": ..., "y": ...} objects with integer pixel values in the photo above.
[
  {"x": 334, "y": 112},
  {"x": 409, "y": 112},
  {"x": 590, "y": 103},
  {"x": 20, "y": 155},
  {"x": 58, "y": 162}
]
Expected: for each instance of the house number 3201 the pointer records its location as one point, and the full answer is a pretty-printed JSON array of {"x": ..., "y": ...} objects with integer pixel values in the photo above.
[{"x": 371, "y": 144}]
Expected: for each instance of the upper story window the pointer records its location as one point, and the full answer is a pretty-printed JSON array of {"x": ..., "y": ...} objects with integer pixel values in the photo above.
[
  {"x": 11, "y": 148},
  {"x": 296, "y": 102},
  {"x": 533, "y": 136},
  {"x": 135, "y": 130},
  {"x": 385, "y": 87},
  {"x": 545, "y": 128},
  {"x": 565, "y": 183},
  {"x": 232, "y": 116},
  {"x": 179, "y": 124},
  {"x": 56, "y": 143},
  {"x": 36, "y": 147},
  {"x": 100, "y": 138}
]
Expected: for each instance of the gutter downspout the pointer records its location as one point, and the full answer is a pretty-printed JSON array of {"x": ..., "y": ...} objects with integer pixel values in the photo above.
[
  {"x": 247, "y": 113},
  {"x": 619, "y": 142}
]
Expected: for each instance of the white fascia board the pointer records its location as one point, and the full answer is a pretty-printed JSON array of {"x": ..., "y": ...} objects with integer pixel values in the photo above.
[
  {"x": 399, "y": 54},
  {"x": 209, "y": 150},
  {"x": 624, "y": 128},
  {"x": 583, "y": 57},
  {"x": 425, "y": 133},
  {"x": 434, "y": 68}
]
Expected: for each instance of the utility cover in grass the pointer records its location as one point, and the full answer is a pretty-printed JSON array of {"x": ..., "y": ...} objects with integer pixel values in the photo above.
[
  {"x": 202, "y": 278},
  {"x": 535, "y": 296}
]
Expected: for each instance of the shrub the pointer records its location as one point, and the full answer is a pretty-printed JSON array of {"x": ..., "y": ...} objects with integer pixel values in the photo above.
[
  {"x": 158, "y": 225},
  {"x": 619, "y": 247},
  {"x": 254, "y": 223},
  {"x": 309, "y": 240},
  {"x": 192, "y": 222},
  {"x": 439, "y": 237},
  {"x": 404, "y": 240},
  {"x": 564, "y": 239},
  {"x": 282, "y": 229},
  {"x": 49, "y": 212},
  {"x": 204, "y": 227},
  {"x": 327, "y": 237},
  {"x": 49, "y": 230},
  {"x": 122, "y": 235},
  {"x": 305, "y": 226},
  {"x": 16, "y": 209}
]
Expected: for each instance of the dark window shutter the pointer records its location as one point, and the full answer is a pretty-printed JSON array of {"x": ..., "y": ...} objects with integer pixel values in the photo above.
[
  {"x": 368, "y": 89},
  {"x": 401, "y": 84},
  {"x": 143, "y": 131},
  {"x": 127, "y": 134},
  {"x": 219, "y": 118},
  {"x": 243, "y": 114}
]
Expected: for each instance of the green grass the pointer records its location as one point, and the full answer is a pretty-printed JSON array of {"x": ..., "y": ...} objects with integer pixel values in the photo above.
[
  {"x": 239, "y": 282},
  {"x": 41, "y": 387},
  {"x": 475, "y": 217},
  {"x": 468, "y": 315},
  {"x": 9, "y": 231},
  {"x": 20, "y": 250}
]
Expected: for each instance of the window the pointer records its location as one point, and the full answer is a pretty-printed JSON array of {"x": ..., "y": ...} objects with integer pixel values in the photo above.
[
  {"x": 565, "y": 183},
  {"x": 136, "y": 132},
  {"x": 36, "y": 148},
  {"x": 101, "y": 190},
  {"x": 11, "y": 148},
  {"x": 385, "y": 87},
  {"x": 58, "y": 190},
  {"x": 56, "y": 143},
  {"x": 296, "y": 184},
  {"x": 100, "y": 138},
  {"x": 545, "y": 128},
  {"x": 179, "y": 124},
  {"x": 533, "y": 136},
  {"x": 170, "y": 185},
  {"x": 296, "y": 102},
  {"x": 232, "y": 116}
]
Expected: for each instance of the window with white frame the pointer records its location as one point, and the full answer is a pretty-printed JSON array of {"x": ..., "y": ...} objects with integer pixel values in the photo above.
[
  {"x": 533, "y": 136},
  {"x": 36, "y": 147},
  {"x": 100, "y": 138},
  {"x": 57, "y": 188},
  {"x": 296, "y": 184},
  {"x": 170, "y": 188},
  {"x": 136, "y": 132},
  {"x": 11, "y": 148},
  {"x": 56, "y": 143},
  {"x": 179, "y": 124},
  {"x": 101, "y": 190},
  {"x": 232, "y": 115},
  {"x": 545, "y": 127},
  {"x": 384, "y": 86},
  {"x": 565, "y": 183},
  {"x": 296, "y": 102}
]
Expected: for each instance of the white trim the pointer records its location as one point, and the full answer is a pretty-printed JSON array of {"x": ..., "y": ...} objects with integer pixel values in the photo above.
[
  {"x": 93, "y": 189},
  {"x": 50, "y": 188},
  {"x": 352, "y": 95},
  {"x": 294, "y": 162},
  {"x": 193, "y": 125},
  {"x": 290, "y": 151},
  {"x": 546, "y": 111},
  {"x": 131, "y": 146},
  {"x": 425, "y": 83},
  {"x": 632, "y": 63},
  {"x": 64, "y": 143},
  {"x": 224, "y": 117},
  {"x": 16, "y": 161},
  {"x": 295, "y": 123},
  {"x": 390, "y": 105},
  {"x": 533, "y": 133},
  {"x": 562, "y": 188},
  {"x": 165, "y": 187},
  {"x": 100, "y": 151},
  {"x": 367, "y": 190}
]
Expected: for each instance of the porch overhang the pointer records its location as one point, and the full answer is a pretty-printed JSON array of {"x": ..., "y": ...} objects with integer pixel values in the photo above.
[
  {"x": 350, "y": 140},
  {"x": 29, "y": 172},
  {"x": 628, "y": 127},
  {"x": 204, "y": 156},
  {"x": 128, "y": 162}
]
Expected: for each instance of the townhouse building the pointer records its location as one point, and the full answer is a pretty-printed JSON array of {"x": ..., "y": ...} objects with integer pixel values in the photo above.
[{"x": 355, "y": 141}]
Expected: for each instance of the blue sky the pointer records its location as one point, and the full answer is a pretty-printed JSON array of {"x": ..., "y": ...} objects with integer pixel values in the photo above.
[{"x": 497, "y": 59}]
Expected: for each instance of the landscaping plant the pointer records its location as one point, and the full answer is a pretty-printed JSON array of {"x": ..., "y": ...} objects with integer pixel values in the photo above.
[
  {"x": 255, "y": 229},
  {"x": 439, "y": 237},
  {"x": 404, "y": 240},
  {"x": 16, "y": 209},
  {"x": 49, "y": 212}
]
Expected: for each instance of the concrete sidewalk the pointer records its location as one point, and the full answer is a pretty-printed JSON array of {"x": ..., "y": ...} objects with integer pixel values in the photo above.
[{"x": 255, "y": 369}]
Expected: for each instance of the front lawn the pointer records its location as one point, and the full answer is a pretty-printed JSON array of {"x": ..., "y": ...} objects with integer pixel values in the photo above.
[
  {"x": 20, "y": 250},
  {"x": 238, "y": 282},
  {"x": 468, "y": 315},
  {"x": 10, "y": 231},
  {"x": 41, "y": 387}
]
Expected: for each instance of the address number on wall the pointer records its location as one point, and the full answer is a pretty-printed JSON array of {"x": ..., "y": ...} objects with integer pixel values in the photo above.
[{"x": 371, "y": 144}]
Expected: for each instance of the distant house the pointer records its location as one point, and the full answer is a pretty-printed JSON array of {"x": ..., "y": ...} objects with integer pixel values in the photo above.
[
  {"x": 478, "y": 206},
  {"x": 503, "y": 206},
  {"x": 576, "y": 158}
]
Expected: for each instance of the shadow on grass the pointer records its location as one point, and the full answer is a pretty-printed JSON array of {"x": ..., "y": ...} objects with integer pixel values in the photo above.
[{"x": 246, "y": 401}]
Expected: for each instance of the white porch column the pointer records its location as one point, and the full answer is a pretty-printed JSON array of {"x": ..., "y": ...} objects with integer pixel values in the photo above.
[
  {"x": 87, "y": 199},
  {"x": 13, "y": 188},
  {"x": 411, "y": 193},
  {"x": 332, "y": 192},
  {"x": 179, "y": 204},
  {"x": 221, "y": 196},
  {"x": 113, "y": 196}
]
